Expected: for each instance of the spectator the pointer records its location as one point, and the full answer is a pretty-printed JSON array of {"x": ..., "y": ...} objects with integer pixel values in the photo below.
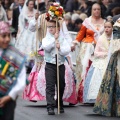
[
  {"x": 83, "y": 6},
  {"x": 9, "y": 16},
  {"x": 14, "y": 5},
  {"x": 3, "y": 16},
  {"x": 74, "y": 17},
  {"x": 41, "y": 8},
  {"x": 116, "y": 17},
  {"x": 115, "y": 3},
  {"x": 83, "y": 16},
  {"x": 6, "y": 4},
  {"x": 104, "y": 5},
  {"x": 68, "y": 22},
  {"x": 71, "y": 5},
  {"x": 109, "y": 18},
  {"x": 116, "y": 11},
  {"x": 16, "y": 13},
  {"x": 78, "y": 24}
]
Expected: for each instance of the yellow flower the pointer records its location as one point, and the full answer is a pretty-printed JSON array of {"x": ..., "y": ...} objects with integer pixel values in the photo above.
[
  {"x": 54, "y": 8},
  {"x": 57, "y": 13},
  {"x": 51, "y": 7}
]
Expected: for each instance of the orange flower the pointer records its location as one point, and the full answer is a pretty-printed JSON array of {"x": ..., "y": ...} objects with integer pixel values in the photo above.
[
  {"x": 57, "y": 13},
  {"x": 54, "y": 8}
]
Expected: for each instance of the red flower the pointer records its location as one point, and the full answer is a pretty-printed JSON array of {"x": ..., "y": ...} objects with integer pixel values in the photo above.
[
  {"x": 60, "y": 9},
  {"x": 47, "y": 14}
]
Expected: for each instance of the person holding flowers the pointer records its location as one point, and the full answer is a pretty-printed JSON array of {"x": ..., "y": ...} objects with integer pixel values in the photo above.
[
  {"x": 40, "y": 20},
  {"x": 49, "y": 44},
  {"x": 69, "y": 93},
  {"x": 55, "y": 41}
]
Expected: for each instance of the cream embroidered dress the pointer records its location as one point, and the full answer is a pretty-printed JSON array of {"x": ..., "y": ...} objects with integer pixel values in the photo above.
[
  {"x": 96, "y": 72},
  {"x": 87, "y": 36}
]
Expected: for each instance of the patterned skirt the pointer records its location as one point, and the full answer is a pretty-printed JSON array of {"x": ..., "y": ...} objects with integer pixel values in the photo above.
[{"x": 108, "y": 99}]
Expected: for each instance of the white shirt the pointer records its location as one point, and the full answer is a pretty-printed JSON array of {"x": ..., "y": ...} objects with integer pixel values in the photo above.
[{"x": 20, "y": 8}]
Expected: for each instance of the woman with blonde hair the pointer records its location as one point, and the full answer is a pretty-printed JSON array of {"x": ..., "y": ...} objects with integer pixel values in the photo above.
[{"x": 88, "y": 35}]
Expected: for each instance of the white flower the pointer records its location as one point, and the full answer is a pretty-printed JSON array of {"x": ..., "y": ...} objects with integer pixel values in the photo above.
[
  {"x": 61, "y": 7},
  {"x": 56, "y": 4},
  {"x": 57, "y": 7},
  {"x": 51, "y": 13}
]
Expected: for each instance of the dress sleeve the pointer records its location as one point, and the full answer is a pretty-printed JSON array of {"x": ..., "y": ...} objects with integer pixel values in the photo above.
[
  {"x": 99, "y": 51},
  {"x": 81, "y": 33},
  {"x": 21, "y": 82},
  {"x": 32, "y": 24}
]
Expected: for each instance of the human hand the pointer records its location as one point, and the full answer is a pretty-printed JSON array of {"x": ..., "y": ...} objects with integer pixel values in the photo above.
[
  {"x": 36, "y": 15},
  {"x": 56, "y": 35},
  {"x": 58, "y": 45},
  {"x": 73, "y": 48},
  {"x": 4, "y": 100},
  {"x": 71, "y": 66}
]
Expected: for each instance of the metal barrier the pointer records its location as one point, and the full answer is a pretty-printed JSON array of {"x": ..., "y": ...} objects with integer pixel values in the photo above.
[{"x": 74, "y": 53}]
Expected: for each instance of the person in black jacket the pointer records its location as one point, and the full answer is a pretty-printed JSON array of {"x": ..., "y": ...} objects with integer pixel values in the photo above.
[
  {"x": 16, "y": 13},
  {"x": 71, "y": 5},
  {"x": 104, "y": 5},
  {"x": 115, "y": 3}
]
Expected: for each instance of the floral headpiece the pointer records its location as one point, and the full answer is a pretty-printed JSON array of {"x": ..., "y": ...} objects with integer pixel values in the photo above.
[
  {"x": 55, "y": 12},
  {"x": 4, "y": 27}
]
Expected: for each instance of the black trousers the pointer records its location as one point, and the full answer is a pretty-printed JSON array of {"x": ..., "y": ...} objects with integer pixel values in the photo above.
[
  {"x": 51, "y": 82},
  {"x": 8, "y": 111}
]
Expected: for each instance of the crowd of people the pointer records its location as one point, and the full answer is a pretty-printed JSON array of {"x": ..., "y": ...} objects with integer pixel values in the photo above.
[{"x": 95, "y": 78}]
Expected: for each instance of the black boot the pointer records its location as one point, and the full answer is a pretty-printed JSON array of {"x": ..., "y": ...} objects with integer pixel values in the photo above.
[
  {"x": 62, "y": 110},
  {"x": 50, "y": 111}
]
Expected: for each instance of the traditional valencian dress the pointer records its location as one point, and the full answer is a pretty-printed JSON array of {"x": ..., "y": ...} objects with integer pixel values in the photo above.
[
  {"x": 26, "y": 42},
  {"x": 12, "y": 75},
  {"x": 108, "y": 99},
  {"x": 87, "y": 36},
  {"x": 96, "y": 72}
]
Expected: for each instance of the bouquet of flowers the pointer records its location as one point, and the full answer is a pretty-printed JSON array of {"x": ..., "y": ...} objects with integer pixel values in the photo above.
[
  {"x": 39, "y": 54},
  {"x": 55, "y": 12}
]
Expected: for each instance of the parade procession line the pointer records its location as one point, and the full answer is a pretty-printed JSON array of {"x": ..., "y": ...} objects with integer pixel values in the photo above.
[{"x": 37, "y": 111}]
